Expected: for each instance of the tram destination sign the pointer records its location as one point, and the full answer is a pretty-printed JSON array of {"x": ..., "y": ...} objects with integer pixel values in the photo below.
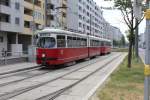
[{"x": 44, "y": 34}]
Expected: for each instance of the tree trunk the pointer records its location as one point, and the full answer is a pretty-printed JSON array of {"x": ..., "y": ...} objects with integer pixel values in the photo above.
[
  {"x": 133, "y": 51},
  {"x": 130, "y": 54},
  {"x": 130, "y": 48}
]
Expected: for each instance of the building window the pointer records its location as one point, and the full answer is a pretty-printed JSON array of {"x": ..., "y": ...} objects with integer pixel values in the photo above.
[
  {"x": 17, "y": 5},
  {"x": 88, "y": 28},
  {"x": 5, "y": 2},
  {"x": 80, "y": 24},
  {"x": 80, "y": 8},
  {"x": 50, "y": 6},
  {"x": 88, "y": 14},
  {"x": 17, "y": 20},
  {"x": 64, "y": 14},
  {"x": 1, "y": 39},
  {"x": 80, "y": 16},
  {"x": 51, "y": 17},
  {"x": 26, "y": 24},
  {"x": 7, "y": 18},
  {"x": 87, "y": 7}
]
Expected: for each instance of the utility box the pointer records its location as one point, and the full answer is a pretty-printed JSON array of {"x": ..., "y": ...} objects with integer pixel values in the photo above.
[
  {"x": 32, "y": 53},
  {"x": 16, "y": 49}
]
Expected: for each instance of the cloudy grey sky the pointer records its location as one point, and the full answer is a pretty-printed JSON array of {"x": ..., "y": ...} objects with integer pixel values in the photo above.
[{"x": 114, "y": 17}]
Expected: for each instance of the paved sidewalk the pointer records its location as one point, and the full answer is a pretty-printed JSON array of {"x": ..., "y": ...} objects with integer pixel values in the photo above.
[
  {"x": 16, "y": 67},
  {"x": 142, "y": 54},
  {"x": 13, "y": 60}
]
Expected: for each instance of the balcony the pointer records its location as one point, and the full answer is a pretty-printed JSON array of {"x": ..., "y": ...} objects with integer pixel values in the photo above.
[
  {"x": 64, "y": 3},
  {"x": 5, "y": 9},
  {"x": 5, "y": 26},
  {"x": 29, "y": 4},
  {"x": 28, "y": 17},
  {"x": 27, "y": 31}
]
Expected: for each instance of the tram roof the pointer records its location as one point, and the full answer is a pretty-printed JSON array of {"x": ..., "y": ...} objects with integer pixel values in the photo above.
[{"x": 58, "y": 31}]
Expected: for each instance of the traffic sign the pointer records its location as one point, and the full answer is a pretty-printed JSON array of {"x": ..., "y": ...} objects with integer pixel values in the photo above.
[{"x": 137, "y": 9}]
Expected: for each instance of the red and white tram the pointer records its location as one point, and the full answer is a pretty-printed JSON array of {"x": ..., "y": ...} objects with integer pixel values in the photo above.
[{"x": 56, "y": 46}]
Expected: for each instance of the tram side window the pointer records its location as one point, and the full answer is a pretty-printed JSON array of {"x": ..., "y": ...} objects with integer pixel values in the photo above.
[
  {"x": 97, "y": 43},
  {"x": 109, "y": 43},
  {"x": 83, "y": 42},
  {"x": 61, "y": 42},
  {"x": 102, "y": 43},
  {"x": 91, "y": 43},
  {"x": 106, "y": 43},
  {"x": 74, "y": 42},
  {"x": 69, "y": 41},
  {"x": 78, "y": 42}
]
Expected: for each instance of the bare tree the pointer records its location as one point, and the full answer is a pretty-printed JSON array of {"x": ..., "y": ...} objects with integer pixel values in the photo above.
[{"x": 126, "y": 8}]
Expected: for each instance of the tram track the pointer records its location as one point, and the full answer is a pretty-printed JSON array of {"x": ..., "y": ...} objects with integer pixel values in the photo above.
[
  {"x": 22, "y": 79},
  {"x": 55, "y": 94},
  {"x": 19, "y": 70},
  {"x": 21, "y": 91}
]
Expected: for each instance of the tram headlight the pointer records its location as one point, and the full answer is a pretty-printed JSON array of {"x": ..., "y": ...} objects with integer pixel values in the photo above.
[{"x": 43, "y": 55}]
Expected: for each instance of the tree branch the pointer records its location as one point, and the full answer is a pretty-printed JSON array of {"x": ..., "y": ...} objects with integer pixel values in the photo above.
[
  {"x": 139, "y": 21},
  {"x": 126, "y": 21}
]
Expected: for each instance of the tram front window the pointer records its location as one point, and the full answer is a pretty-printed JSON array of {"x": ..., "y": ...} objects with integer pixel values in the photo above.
[{"x": 46, "y": 42}]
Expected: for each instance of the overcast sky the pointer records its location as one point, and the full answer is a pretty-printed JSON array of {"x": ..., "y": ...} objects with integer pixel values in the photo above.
[{"x": 114, "y": 17}]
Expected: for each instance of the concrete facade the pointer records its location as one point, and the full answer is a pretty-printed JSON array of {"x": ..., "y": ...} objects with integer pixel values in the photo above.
[
  {"x": 85, "y": 16},
  {"x": 117, "y": 35},
  {"x": 17, "y": 19},
  {"x": 34, "y": 15},
  {"x": 11, "y": 23},
  {"x": 12, "y": 9}
]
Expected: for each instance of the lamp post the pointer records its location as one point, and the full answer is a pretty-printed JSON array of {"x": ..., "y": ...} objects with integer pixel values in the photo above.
[
  {"x": 57, "y": 12},
  {"x": 32, "y": 24}
]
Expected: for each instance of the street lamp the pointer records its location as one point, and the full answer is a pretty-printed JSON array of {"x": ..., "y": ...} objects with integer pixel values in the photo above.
[{"x": 56, "y": 13}]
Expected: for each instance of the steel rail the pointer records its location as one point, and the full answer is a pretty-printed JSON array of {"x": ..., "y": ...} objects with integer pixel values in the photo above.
[
  {"x": 21, "y": 91},
  {"x": 59, "y": 92},
  {"x": 7, "y": 83},
  {"x": 19, "y": 70}
]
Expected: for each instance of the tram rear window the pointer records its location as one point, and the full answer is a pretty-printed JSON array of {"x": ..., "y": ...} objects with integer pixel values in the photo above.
[{"x": 46, "y": 42}]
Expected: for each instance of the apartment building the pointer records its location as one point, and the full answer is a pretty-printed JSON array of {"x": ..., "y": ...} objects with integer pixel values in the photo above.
[
  {"x": 34, "y": 19},
  {"x": 17, "y": 18},
  {"x": 11, "y": 24},
  {"x": 56, "y": 13},
  {"x": 85, "y": 16},
  {"x": 117, "y": 34}
]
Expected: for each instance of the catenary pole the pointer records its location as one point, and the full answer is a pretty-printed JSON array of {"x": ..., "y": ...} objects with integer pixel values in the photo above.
[
  {"x": 136, "y": 40},
  {"x": 147, "y": 54}
]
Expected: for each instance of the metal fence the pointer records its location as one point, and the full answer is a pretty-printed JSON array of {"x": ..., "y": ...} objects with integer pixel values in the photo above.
[{"x": 6, "y": 57}]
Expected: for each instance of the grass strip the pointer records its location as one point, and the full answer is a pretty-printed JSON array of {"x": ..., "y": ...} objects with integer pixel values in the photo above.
[{"x": 125, "y": 83}]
